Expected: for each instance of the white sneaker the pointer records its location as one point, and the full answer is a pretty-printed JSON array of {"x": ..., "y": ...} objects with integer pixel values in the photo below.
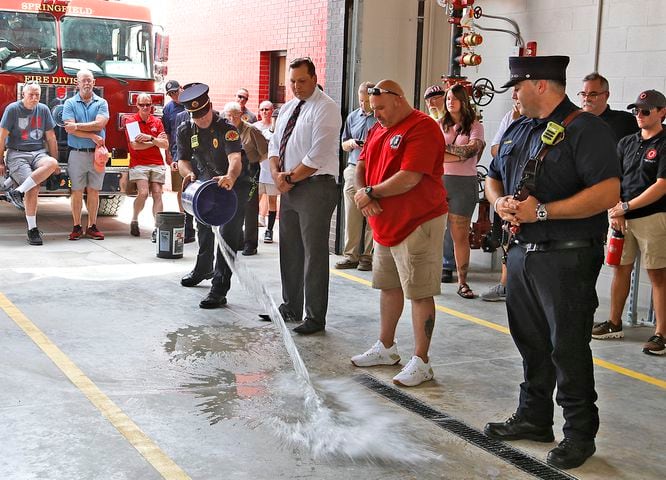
[
  {"x": 377, "y": 355},
  {"x": 414, "y": 373}
]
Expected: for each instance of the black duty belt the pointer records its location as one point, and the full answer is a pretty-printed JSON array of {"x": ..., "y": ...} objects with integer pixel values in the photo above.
[
  {"x": 83, "y": 149},
  {"x": 557, "y": 245},
  {"x": 315, "y": 178}
]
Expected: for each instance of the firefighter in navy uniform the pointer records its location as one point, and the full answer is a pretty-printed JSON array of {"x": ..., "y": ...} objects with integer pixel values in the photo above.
[
  {"x": 555, "y": 255},
  {"x": 210, "y": 148}
]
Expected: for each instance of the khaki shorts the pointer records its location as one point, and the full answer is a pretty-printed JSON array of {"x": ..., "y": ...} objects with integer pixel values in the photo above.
[
  {"x": 415, "y": 264},
  {"x": 647, "y": 234},
  {"x": 176, "y": 181},
  {"x": 81, "y": 171},
  {"x": 151, "y": 173},
  {"x": 268, "y": 189}
]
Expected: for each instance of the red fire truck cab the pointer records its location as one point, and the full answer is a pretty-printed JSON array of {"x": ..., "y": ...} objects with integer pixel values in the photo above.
[{"x": 49, "y": 41}]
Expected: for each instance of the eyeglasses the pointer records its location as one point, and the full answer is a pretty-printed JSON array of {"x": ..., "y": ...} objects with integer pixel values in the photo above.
[
  {"x": 379, "y": 91},
  {"x": 242, "y": 97},
  {"x": 591, "y": 95},
  {"x": 636, "y": 111},
  {"x": 145, "y": 105},
  {"x": 265, "y": 109}
]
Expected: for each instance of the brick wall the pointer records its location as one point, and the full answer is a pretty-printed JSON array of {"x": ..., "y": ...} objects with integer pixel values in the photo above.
[{"x": 222, "y": 44}]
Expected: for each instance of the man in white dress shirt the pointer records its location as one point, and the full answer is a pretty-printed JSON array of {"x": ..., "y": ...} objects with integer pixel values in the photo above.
[{"x": 304, "y": 163}]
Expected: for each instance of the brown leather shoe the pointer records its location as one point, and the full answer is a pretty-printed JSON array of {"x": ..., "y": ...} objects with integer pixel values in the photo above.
[{"x": 345, "y": 264}]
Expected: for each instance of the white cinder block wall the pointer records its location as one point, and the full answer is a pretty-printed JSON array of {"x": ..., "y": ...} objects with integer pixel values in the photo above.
[{"x": 631, "y": 51}]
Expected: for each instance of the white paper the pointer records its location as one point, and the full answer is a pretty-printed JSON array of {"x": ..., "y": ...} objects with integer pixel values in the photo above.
[{"x": 132, "y": 130}]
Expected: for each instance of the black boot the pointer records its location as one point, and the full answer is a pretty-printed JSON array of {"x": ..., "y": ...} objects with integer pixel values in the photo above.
[{"x": 517, "y": 428}]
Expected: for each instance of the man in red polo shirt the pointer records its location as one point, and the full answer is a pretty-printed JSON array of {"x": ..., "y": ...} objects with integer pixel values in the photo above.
[
  {"x": 400, "y": 191},
  {"x": 146, "y": 164}
]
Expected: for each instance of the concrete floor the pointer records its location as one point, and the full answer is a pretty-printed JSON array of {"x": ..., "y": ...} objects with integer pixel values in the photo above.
[{"x": 159, "y": 388}]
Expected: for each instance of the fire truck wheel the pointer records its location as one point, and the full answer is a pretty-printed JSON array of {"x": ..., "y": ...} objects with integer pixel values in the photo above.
[{"x": 109, "y": 206}]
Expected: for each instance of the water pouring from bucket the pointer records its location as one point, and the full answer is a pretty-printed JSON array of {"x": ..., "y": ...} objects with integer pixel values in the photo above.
[{"x": 209, "y": 203}]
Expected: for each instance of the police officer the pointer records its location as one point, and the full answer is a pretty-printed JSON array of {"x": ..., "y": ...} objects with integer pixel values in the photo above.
[
  {"x": 210, "y": 148},
  {"x": 556, "y": 255}
]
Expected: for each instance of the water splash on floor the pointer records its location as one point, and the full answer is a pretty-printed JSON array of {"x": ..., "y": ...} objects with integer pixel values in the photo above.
[{"x": 337, "y": 420}]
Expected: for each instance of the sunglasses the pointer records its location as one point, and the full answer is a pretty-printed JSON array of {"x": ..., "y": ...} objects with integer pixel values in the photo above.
[
  {"x": 242, "y": 97},
  {"x": 379, "y": 91},
  {"x": 642, "y": 111},
  {"x": 145, "y": 105}
]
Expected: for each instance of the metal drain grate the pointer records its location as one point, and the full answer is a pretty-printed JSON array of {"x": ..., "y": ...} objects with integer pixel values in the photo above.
[{"x": 507, "y": 453}]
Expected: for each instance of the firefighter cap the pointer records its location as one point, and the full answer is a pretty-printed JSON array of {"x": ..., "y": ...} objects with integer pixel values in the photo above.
[
  {"x": 171, "y": 86},
  {"x": 433, "y": 91},
  {"x": 195, "y": 100},
  {"x": 649, "y": 99},
  {"x": 537, "y": 68}
]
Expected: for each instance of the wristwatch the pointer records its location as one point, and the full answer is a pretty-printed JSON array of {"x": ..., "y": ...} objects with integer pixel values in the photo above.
[
  {"x": 541, "y": 212},
  {"x": 287, "y": 178},
  {"x": 368, "y": 192},
  {"x": 625, "y": 206}
]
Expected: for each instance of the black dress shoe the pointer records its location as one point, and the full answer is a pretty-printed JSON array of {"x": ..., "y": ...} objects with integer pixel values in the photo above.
[
  {"x": 193, "y": 278},
  {"x": 213, "y": 300},
  {"x": 517, "y": 428},
  {"x": 309, "y": 326},
  {"x": 570, "y": 453},
  {"x": 447, "y": 276},
  {"x": 248, "y": 251},
  {"x": 287, "y": 315}
]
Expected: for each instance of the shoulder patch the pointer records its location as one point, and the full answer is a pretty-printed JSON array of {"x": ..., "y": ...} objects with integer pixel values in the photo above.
[{"x": 231, "y": 136}]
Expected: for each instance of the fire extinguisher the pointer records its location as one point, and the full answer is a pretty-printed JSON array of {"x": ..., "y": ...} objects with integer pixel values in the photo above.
[{"x": 615, "y": 245}]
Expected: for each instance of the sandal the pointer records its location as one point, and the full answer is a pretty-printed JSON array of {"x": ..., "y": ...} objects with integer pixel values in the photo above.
[{"x": 465, "y": 292}]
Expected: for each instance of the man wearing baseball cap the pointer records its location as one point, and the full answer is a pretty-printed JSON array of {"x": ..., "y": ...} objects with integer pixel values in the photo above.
[
  {"x": 641, "y": 216},
  {"x": 170, "y": 115},
  {"x": 434, "y": 98},
  {"x": 557, "y": 203}
]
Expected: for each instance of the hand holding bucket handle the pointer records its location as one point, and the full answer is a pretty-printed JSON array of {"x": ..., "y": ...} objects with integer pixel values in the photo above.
[
  {"x": 225, "y": 181},
  {"x": 187, "y": 179}
]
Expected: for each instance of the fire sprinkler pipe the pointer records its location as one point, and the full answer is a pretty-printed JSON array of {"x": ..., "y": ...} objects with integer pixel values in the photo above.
[{"x": 597, "y": 44}]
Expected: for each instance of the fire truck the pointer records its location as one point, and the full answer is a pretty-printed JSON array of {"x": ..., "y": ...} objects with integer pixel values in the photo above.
[{"x": 49, "y": 41}]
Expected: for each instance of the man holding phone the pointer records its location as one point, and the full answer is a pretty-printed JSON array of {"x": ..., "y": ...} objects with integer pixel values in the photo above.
[{"x": 353, "y": 137}]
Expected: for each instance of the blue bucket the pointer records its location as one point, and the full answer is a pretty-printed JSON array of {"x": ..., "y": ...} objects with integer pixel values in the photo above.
[{"x": 208, "y": 203}]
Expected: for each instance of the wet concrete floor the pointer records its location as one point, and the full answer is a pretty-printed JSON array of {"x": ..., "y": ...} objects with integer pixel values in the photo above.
[{"x": 110, "y": 370}]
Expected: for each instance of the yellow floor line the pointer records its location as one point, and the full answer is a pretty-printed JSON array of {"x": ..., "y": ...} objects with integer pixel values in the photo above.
[
  {"x": 130, "y": 430},
  {"x": 500, "y": 328}
]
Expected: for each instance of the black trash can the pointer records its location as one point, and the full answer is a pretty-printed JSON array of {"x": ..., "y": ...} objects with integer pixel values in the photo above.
[{"x": 170, "y": 234}]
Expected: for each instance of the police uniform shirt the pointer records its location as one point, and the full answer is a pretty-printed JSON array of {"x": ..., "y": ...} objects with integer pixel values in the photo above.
[
  {"x": 584, "y": 158},
  {"x": 622, "y": 123},
  {"x": 207, "y": 148},
  {"x": 643, "y": 162}
]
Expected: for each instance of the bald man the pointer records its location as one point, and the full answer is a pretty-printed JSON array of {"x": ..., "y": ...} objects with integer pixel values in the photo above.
[{"x": 400, "y": 192}]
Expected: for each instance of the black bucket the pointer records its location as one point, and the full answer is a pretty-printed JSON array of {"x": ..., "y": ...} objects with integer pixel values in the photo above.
[{"x": 170, "y": 234}]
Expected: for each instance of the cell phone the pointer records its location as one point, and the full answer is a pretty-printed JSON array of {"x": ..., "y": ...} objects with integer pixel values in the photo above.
[{"x": 360, "y": 142}]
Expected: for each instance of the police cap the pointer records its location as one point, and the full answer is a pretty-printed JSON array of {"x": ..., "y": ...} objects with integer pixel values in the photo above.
[
  {"x": 195, "y": 100},
  {"x": 537, "y": 68},
  {"x": 649, "y": 99},
  {"x": 171, "y": 86}
]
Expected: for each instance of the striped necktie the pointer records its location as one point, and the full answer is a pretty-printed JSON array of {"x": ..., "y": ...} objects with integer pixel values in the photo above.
[{"x": 291, "y": 123}]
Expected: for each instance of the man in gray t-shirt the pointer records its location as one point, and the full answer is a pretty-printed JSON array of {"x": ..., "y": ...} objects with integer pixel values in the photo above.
[{"x": 26, "y": 132}]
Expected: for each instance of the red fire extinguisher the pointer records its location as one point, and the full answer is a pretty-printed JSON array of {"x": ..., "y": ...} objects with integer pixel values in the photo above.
[{"x": 615, "y": 245}]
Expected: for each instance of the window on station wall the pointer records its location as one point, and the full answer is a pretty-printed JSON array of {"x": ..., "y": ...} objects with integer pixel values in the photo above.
[{"x": 278, "y": 76}]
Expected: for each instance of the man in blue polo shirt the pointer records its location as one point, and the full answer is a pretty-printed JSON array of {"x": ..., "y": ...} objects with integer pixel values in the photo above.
[{"x": 85, "y": 116}]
